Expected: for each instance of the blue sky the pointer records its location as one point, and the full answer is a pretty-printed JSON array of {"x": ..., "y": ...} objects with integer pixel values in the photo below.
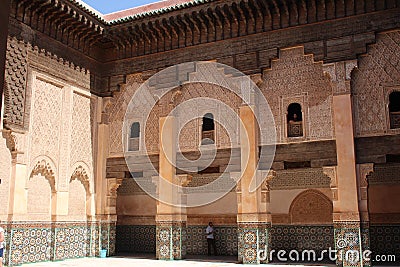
[{"x": 107, "y": 6}]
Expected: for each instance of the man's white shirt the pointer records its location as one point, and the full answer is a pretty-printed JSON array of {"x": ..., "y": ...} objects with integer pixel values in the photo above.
[{"x": 209, "y": 232}]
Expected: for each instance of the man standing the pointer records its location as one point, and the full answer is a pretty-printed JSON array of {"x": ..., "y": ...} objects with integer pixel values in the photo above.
[
  {"x": 210, "y": 239},
  {"x": 1, "y": 246}
]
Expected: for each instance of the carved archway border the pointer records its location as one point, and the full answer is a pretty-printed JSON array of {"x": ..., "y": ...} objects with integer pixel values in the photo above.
[
  {"x": 46, "y": 167},
  {"x": 81, "y": 172}
]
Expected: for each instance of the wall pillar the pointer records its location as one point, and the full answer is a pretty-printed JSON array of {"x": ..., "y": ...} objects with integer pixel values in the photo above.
[
  {"x": 346, "y": 215},
  {"x": 108, "y": 222},
  {"x": 171, "y": 215},
  {"x": 254, "y": 219},
  {"x": 18, "y": 196},
  {"x": 363, "y": 170}
]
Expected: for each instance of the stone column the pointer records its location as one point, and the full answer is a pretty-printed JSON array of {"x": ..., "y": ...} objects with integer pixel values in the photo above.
[
  {"x": 253, "y": 218},
  {"x": 171, "y": 217}
]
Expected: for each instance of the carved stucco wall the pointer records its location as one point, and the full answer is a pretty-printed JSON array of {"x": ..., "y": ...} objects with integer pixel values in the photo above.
[
  {"x": 61, "y": 130},
  {"x": 15, "y": 80},
  {"x": 5, "y": 173},
  {"x": 377, "y": 76},
  {"x": 77, "y": 201},
  {"x": 46, "y": 120},
  {"x": 296, "y": 78},
  {"x": 81, "y": 143},
  {"x": 39, "y": 198},
  {"x": 116, "y": 109},
  {"x": 189, "y": 137}
]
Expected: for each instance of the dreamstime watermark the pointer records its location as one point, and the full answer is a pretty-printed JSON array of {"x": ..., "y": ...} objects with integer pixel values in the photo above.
[
  {"x": 340, "y": 253},
  {"x": 187, "y": 93}
]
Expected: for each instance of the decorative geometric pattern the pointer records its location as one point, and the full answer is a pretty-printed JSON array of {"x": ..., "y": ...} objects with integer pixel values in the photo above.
[
  {"x": 116, "y": 110},
  {"x": 295, "y": 74},
  {"x": 129, "y": 187},
  {"x": 81, "y": 145},
  {"x": 379, "y": 68},
  {"x": 253, "y": 237},
  {"x": 225, "y": 239},
  {"x": 136, "y": 238},
  {"x": 170, "y": 240},
  {"x": 300, "y": 179},
  {"x": 71, "y": 243},
  {"x": 365, "y": 241},
  {"x": 28, "y": 242},
  {"x": 46, "y": 119},
  {"x": 385, "y": 174},
  {"x": 142, "y": 239},
  {"x": 216, "y": 183},
  {"x": 347, "y": 237},
  {"x": 385, "y": 240},
  {"x": 15, "y": 76},
  {"x": 30, "y": 245},
  {"x": 108, "y": 237},
  {"x": 293, "y": 237}
]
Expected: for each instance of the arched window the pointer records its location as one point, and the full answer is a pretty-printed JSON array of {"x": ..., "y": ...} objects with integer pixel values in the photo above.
[
  {"x": 394, "y": 110},
  {"x": 208, "y": 130},
  {"x": 294, "y": 120},
  {"x": 134, "y": 136}
]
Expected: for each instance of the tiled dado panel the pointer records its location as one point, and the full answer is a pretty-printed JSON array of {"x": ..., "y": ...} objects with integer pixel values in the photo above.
[
  {"x": 136, "y": 238},
  {"x": 252, "y": 238},
  {"x": 226, "y": 239},
  {"x": 288, "y": 237},
  {"x": 108, "y": 237},
  {"x": 385, "y": 240},
  {"x": 35, "y": 242}
]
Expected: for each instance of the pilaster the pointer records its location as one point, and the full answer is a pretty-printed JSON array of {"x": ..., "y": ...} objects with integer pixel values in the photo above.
[
  {"x": 171, "y": 211},
  {"x": 346, "y": 212},
  {"x": 363, "y": 170},
  {"x": 254, "y": 219}
]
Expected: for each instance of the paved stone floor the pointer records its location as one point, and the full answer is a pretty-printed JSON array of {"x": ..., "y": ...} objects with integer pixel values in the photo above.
[{"x": 146, "y": 261}]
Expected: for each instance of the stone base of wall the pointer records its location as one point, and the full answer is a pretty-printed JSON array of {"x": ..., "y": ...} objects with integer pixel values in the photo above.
[
  {"x": 252, "y": 238},
  {"x": 136, "y": 239},
  {"x": 385, "y": 240},
  {"x": 28, "y": 242},
  {"x": 225, "y": 239},
  {"x": 142, "y": 239},
  {"x": 299, "y": 238}
]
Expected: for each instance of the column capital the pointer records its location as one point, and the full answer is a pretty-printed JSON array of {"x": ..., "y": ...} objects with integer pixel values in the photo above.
[
  {"x": 112, "y": 186},
  {"x": 363, "y": 170},
  {"x": 331, "y": 172}
]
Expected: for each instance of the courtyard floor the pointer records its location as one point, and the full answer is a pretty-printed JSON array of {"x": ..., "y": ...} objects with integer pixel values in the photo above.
[{"x": 147, "y": 261}]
